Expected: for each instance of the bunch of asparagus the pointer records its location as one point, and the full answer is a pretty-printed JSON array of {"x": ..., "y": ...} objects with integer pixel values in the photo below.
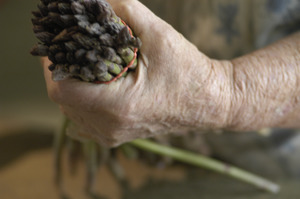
[{"x": 84, "y": 39}]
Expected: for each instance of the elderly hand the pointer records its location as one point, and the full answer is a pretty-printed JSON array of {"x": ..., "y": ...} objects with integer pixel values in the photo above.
[{"x": 174, "y": 89}]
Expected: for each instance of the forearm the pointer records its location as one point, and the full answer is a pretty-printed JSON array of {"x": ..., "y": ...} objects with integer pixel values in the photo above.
[{"x": 266, "y": 87}]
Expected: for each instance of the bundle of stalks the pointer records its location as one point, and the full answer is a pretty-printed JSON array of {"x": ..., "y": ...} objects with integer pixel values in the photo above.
[
  {"x": 158, "y": 152},
  {"x": 84, "y": 39}
]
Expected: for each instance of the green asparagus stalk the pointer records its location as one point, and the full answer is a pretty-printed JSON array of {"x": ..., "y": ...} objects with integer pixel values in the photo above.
[
  {"x": 91, "y": 155},
  {"x": 58, "y": 151},
  {"x": 208, "y": 163}
]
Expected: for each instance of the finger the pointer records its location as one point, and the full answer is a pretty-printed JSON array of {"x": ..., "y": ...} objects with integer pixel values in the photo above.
[
  {"x": 66, "y": 92},
  {"x": 75, "y": 93},
  {"x": 46, "y": 63}
]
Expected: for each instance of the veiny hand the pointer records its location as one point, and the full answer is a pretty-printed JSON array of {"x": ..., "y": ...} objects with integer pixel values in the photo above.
[{"x": 174, "y": 89}]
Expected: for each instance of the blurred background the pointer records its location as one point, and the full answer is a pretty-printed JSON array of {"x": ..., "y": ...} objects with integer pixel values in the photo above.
[
  {"x": 23, "y": 96},
  {"x": 28, "y": 121},
  {"x": 27, "y": 117}
]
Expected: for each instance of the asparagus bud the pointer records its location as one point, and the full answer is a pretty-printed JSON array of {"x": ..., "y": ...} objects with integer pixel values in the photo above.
[
  {"x": 43, "y": 8},
  {"x": 127, "y": 55},
  {"x": 68, "y": 20},
  {"x": 77, "y": 8},
  {"x": 37, "y": 29},
  {"x": 45, "y": 37},
  {"x": 60, "y": 72},
  {"x": 64, "y": 8},
  {"x": 86, "y": 74},
  {"x": 53, "y": 7},
  {"x": 40, "y": 50}
]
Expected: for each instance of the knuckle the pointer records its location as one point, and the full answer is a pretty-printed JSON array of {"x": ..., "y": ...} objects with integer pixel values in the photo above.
[
  {"x": 167, "y": 39},
  {"x": 125, "y": 6}
]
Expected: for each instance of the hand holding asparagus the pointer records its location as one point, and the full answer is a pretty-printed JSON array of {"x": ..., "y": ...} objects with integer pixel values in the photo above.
[{"x": 167, "y": 93}]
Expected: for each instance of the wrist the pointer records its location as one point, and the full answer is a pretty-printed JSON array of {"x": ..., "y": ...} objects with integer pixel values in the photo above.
[{"x": 210, "y": 99}]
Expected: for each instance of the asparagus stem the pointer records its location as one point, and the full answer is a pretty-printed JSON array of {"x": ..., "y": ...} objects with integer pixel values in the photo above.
[
  {"x": 129, "y": 151},
  {"x": 73, "y": 153},
  {"x": 177, "y": 154},
  {"x": 91, "y": 155},
  {"x": 58, "y": 149},
  {"x": 208, "y": 163},
  {"x": 116, "y": 168}
]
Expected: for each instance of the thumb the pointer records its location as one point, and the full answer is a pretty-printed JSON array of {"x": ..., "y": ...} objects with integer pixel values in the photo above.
[{"x": 139, "y": 18}]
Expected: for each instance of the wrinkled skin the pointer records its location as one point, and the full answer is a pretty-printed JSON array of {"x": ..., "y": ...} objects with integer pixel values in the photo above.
[{"x": 175, "y": 88}]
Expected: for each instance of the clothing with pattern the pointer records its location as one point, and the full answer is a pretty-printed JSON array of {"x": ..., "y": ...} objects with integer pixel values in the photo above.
[{"x": 225, "y": 29}]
